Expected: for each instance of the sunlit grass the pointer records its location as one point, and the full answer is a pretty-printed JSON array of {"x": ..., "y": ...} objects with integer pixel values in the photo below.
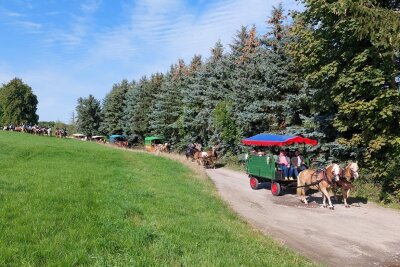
[{"x": 66, "y": 202}]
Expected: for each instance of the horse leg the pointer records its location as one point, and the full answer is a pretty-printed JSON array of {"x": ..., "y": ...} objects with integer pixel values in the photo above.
[
  {"x": 301, "y": 191},
  {"x": 326, "y": 194},
  {"x": 303, "y": 196},
  {"x": 346, "y": 193},
  {"x": 334, "y": 194}
]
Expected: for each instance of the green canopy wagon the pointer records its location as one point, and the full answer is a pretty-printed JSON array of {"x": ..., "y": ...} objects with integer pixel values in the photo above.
[
  {"x": 264, "y": 168},
  {"x": 151, "y": 141}
]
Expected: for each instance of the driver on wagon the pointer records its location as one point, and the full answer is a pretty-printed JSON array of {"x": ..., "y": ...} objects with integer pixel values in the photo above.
[{"x": 297, "y": 162}]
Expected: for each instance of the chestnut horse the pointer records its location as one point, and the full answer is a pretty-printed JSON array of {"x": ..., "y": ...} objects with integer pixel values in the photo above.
[
  {"x": 349, "y": 174},
  {"x": 321, "y": 180},
  {"x": 212, "y": 156}
]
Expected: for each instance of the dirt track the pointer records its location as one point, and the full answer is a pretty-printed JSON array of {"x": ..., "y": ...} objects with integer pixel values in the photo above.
[{"x": 363, "y": 235}]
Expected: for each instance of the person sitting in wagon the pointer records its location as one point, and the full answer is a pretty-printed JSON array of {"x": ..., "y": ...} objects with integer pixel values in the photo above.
[
  {"x": 297, "y": 162},
  {"x": 284, "y": 164}
]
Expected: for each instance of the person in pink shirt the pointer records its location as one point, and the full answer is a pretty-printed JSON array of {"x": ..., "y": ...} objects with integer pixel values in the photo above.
[{"x": 284, "y": 163}]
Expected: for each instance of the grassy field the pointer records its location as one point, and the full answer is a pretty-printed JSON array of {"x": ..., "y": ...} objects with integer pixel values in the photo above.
[{"x": 73, "y": 203}]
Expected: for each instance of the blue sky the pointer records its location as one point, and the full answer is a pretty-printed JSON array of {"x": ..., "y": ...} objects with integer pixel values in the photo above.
[{"x": 65, "y": 49}]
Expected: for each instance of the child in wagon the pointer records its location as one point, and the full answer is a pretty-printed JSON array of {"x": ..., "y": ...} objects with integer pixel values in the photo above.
[{"x": 284, "y": 162}]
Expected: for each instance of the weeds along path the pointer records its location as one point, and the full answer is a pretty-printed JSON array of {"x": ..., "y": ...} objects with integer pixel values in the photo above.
[
  {"x": 199, "y": 170},
  {"x": 363, "y": 235}
]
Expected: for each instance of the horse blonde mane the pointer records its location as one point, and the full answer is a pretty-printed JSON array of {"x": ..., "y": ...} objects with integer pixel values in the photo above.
[
  {"x": 352, "y": 167},
  {"x": 335, "y": 169}
]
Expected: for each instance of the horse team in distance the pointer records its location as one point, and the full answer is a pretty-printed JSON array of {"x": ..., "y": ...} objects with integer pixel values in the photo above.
[
  {"x": 36, "y": 129},
  {"x": 203, "y": 158},
  {"x": 162, "y": 148},
  {"x": 61, "y": 132}
]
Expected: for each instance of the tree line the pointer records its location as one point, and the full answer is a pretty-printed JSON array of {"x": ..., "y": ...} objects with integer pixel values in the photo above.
[{"x": 331, "y": 72}]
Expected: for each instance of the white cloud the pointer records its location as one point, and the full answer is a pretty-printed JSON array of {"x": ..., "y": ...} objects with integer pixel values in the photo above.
[
  {"x": 90, "y": 6},
  {"x": 29, "y": 25},
  {"x": 175, "y": 29},
  {"x": 12, "y": 14},
  {"x": 19, "y": 19},
  {"x": 79, "y": 27},
  {"x": 52, "y": 13}
]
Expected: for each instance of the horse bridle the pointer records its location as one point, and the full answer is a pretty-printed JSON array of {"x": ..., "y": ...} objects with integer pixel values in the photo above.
[{"x": 352, "y": 172}]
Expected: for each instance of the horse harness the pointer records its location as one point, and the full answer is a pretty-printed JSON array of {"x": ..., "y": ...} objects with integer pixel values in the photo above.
[
  {"x": 343, "y": 180},
  {"x": 317, "y": 181}
]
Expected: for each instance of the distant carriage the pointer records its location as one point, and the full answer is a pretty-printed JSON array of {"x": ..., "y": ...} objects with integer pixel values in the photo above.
[
  {"x": 98, "y": 138},
  {"x": 151, "y": 143},
  {"x": 119, "y": 140},
  {"x": 79, "y": 136}
]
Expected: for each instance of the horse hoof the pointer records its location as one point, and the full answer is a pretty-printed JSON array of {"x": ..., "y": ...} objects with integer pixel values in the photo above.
[
  {"x": 347, "y": 206},
  {"x": 325, "y": 206},
  {"x": 331, "y": 207}
]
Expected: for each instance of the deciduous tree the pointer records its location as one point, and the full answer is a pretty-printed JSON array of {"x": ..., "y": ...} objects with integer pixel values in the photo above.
[
  {"x": 18, "y": 103},
  {"x": 349, "y": 52}
]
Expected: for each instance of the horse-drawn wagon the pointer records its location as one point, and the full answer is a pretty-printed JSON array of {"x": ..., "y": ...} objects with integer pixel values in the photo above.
[
  {"x": 264, "y": 168},
  {"x": 77, "y": 136},
  {"x": 151, "y": 142},
  {"x": 119, "y": 140}
]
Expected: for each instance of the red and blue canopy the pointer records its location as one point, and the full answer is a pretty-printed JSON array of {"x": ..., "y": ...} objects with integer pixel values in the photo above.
[{"x": 277, "y": 140}]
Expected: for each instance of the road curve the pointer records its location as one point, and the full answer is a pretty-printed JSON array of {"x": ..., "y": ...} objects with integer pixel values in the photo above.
[{"x": 363, "y": 235}]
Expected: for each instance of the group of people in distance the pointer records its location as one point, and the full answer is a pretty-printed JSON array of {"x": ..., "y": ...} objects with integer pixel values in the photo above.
[{"x": 291, "y": 163}]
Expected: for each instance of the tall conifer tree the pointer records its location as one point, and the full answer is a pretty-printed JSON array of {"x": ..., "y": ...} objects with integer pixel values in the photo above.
[
  {"x": 89, "y": 116},
  {"x": 167, "y": 109},
  {"x": 114, "y": 107}
]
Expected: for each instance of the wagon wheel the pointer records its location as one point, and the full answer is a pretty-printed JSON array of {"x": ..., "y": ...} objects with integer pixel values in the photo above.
[
  {"x": 275, "y": 189},
  {"x": 254, "y": 183}
]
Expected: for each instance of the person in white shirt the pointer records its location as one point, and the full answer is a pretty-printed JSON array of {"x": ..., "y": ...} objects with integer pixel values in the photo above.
[{"x": 297, "y": 162}]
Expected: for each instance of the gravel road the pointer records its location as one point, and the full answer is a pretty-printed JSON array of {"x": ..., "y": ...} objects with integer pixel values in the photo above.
[{"x": 363, "y": 235}]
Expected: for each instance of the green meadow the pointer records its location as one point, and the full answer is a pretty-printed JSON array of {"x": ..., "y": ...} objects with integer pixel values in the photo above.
[{"x": 74, "y": 203}]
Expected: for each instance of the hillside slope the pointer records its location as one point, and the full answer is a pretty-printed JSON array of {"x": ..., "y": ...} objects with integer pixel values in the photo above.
[{"x": 66, "y": 202}]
